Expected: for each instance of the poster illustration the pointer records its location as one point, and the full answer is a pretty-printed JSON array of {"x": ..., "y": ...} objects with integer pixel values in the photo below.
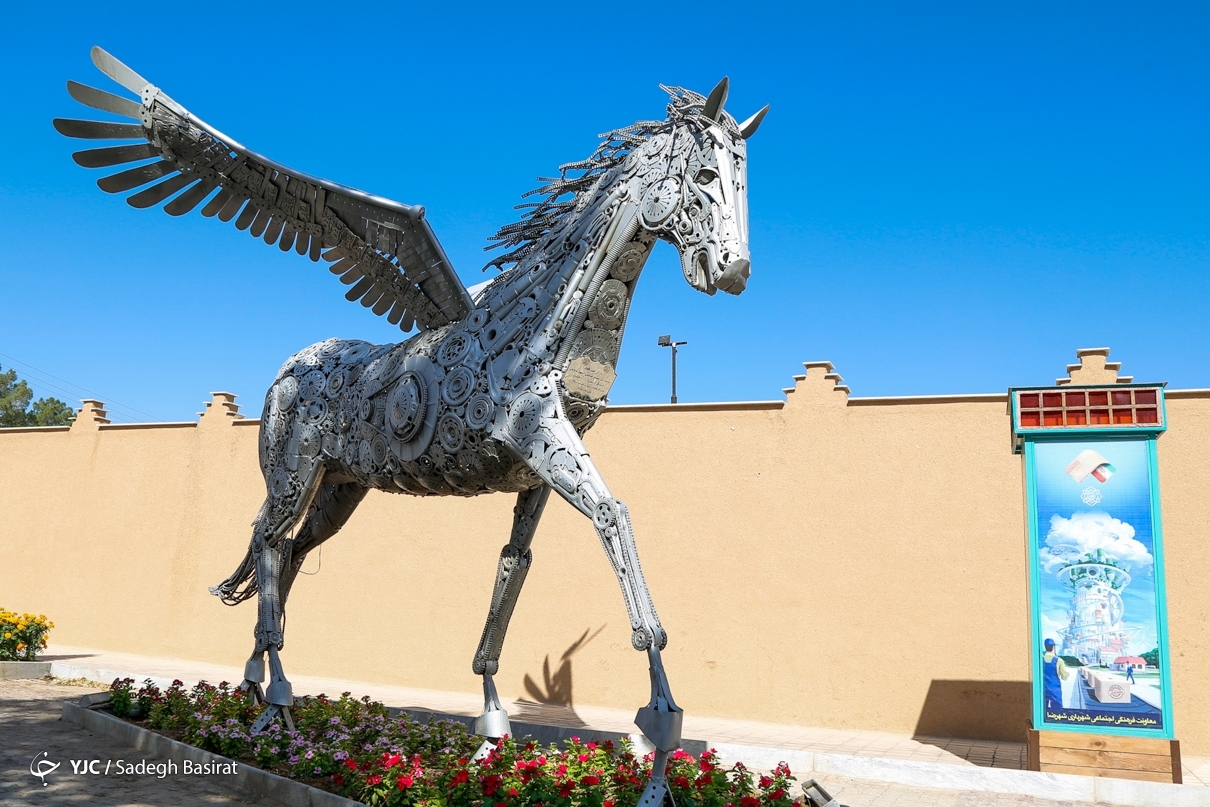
[{"x": 1099, "y": 627}]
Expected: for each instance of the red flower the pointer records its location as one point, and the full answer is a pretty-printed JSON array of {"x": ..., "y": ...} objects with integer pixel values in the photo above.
[
  {"x": 561, "y": 770},
  {"x": 680, "y": 781},
  {"x": 374, "y": 780},
  {"x": 565, "y": 788},
  {"x": 541, "y": 760},
  {"x": 584, "y": 757},
  {"x": 404, "y": 782},
  {"x": 703, "y": 780},
  {"x": 779, "y": 794},
  {"x": 749, "y": 801},
  {"x": 460, "y": 777},
  {"x": 765, "y": 781},
  {"x": 591, "y": 746},
  {"x": 350, "y": 764},
  {"x": 512, "y": 791},
  {"x": 705, "y": 765},
  {"x": 338, "y": 779},
  {"x": 607, "y": 803},
  {"x": 392, "y": 760},
  {"x": 590, "y": 780},
  {"x": 491, "y": 784}
]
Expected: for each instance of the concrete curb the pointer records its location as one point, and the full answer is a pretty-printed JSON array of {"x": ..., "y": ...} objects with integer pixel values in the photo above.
[
  {"x": 248, "y": 779},
  {"x": 1102, "y": 790},
  {"x": 24, "y": 669}
]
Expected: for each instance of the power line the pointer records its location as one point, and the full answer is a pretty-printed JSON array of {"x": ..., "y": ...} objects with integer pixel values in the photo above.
[{"x": 108, "y": 401}]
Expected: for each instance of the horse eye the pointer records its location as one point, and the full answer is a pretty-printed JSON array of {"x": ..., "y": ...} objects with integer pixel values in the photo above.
[{"x": 705, "y": 176}]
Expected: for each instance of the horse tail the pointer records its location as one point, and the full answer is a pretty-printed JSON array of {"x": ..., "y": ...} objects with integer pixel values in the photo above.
[{"x": 241, "y": 585}]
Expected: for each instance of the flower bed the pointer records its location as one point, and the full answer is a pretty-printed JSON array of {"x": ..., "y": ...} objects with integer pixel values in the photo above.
[
  {"x": 22, "y": 636},
  {"x": 355, "y": 748}
]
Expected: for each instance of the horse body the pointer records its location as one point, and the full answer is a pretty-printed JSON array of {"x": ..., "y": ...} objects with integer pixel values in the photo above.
[{"x": 499, "y": 400}]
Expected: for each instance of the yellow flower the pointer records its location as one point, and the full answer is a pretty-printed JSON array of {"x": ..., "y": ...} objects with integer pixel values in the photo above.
[{"x": 8, "y": 636}]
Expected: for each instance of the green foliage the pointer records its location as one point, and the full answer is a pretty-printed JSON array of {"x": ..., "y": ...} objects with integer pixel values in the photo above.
[
  {"x": 1072, "y": 661},
  {"x": 16, "y": 409},
  {"x": 1152, "y": 657},
  {"x": 22, "y": 636}
]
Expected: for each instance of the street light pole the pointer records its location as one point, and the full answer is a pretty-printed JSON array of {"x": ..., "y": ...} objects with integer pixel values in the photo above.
[{"x": 666, "y": 341}]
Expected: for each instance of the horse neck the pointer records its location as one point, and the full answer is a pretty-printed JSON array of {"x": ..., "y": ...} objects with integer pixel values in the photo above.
[{"x": 562, "y": 288}]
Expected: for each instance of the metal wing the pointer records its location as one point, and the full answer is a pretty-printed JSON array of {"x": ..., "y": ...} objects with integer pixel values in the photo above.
[{"x": 385, "y": 250}]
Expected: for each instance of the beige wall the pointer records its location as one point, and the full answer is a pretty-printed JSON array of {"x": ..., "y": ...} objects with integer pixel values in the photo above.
[{"x": 829, "y": 561}]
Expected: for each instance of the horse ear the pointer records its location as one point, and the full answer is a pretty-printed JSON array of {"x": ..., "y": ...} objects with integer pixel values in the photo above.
[
  {"x": 749, "y": 127},
  {"x": 714, "y": 102}
]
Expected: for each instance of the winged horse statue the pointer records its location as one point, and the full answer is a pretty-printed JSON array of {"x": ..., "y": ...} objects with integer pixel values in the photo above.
[{"x": 497, "y": 387}]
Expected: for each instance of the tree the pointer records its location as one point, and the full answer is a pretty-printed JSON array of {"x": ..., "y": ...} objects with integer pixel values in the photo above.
[
  {"x": 1152, "y": 657},
  {"x": 16, "y": 410}
]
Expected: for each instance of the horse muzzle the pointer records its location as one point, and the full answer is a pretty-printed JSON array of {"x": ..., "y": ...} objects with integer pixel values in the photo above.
[{"x": 734, "y": 278}]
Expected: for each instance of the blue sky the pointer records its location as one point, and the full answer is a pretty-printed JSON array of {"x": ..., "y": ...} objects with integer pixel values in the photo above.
[{"x": 944, "y": 198}]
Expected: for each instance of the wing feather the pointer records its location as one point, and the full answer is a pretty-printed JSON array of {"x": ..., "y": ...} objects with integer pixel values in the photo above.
[
  {"x": 287, "y": 238},
  {"x": 190, "y": 198},
  {"x": 232, "y": 207},
  {"x": 215, "y": 205},
  {"x": 260, "y": 223},
  {"x": 245, "y": 219},
  {"x": 115, "y": 155},
  {"x": 134, "y": 177},
  {"x": 104, "y": 101},
  {"x": 274, "y": 230},
  {"x": 98, "y": 130},
  {"x": 158, "y": 193},
  {"x": 386, "y": 251},
  {"x": 359, "y": 289},
  {"x": 383, "y": 305}
]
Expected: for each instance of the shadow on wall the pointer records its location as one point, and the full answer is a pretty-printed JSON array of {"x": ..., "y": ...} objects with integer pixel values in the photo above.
[
  {"x": 556, "y": 687},
  {"x": 976, "y": 710}
]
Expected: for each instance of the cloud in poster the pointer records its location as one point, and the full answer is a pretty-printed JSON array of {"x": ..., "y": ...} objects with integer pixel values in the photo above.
[{"x": 1084, "y": 533}]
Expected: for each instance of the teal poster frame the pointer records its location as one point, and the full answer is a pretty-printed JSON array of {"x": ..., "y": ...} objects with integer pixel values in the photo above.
[{"x": 1026, "y": 442}]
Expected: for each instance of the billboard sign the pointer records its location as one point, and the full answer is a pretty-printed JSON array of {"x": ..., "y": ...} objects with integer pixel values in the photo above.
[{"x": 1099, "y": 636}]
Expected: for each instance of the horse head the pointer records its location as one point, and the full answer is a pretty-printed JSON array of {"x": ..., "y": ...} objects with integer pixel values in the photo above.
[{"x": 692, "y": 182}]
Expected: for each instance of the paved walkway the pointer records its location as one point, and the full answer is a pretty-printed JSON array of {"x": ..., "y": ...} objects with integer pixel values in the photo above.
[
  {"x": 984, "y": 753},
  {"x": 29, "y": 724}
]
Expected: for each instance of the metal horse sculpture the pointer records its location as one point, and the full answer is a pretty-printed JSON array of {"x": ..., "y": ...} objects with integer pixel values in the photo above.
[{"x": 502, "y": 380}]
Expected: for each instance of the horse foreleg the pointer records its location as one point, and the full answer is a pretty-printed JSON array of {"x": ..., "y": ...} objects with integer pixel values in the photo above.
[
  {"x": 515, "y": 559},
  {"x": 558, "y": 456}
]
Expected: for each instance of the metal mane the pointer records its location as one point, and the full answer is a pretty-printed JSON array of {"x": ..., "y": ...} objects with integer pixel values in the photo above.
[{"x": 531, "y": 234}]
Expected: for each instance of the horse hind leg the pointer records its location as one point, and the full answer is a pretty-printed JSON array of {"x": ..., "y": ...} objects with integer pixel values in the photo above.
[
  {"x": 291, "y": 492},
  {"x": 515, "y": 560},
  {"x": 277, "y": 568}
]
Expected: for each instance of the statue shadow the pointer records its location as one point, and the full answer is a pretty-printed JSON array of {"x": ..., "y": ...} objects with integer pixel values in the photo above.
[{"x": 551, "y": 700}]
